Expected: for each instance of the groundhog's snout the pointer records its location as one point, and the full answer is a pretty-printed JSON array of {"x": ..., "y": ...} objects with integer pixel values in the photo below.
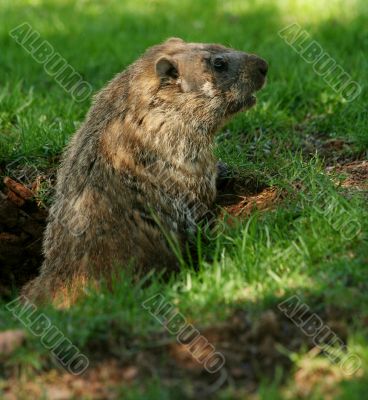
[{"x": 258, "y": 64}]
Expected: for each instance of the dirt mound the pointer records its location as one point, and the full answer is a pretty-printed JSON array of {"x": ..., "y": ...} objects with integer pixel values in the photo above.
[
  {"x": 239, "y": 196},
  {"x": 22, "y": 221},
  {"x": 355, "y": 174},
  {"x": 263, "y": 201}
]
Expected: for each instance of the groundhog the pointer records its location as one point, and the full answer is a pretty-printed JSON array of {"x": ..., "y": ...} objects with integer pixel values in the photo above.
[{"x": 140, "y": 173}]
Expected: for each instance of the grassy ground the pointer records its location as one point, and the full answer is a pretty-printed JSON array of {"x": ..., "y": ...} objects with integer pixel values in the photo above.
[{"x": 300, "y": 246}]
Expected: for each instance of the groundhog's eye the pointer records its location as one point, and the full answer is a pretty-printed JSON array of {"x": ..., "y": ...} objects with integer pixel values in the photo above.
[{"x": 220, "y": 64}]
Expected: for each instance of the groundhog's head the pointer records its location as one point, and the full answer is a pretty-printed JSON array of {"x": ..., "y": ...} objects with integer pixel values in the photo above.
[{"x": 209, "y": 82}]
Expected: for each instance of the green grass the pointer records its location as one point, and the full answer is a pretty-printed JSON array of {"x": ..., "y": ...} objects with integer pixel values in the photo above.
[{"x": 300, "y": 247}]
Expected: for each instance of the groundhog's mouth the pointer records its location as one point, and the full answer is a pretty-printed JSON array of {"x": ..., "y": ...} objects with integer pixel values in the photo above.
[
  {"x": 243, "y": 105},
  {"x": 251, "y": 100}
]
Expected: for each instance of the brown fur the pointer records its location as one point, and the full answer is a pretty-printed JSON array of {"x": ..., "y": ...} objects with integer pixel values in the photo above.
[{"x": 142, "y": 161}]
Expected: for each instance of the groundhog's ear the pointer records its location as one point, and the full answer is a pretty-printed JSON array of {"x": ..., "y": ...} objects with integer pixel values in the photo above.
[
  {"x": 174, "y": 40},
  {"x": 166, "y": 68}
]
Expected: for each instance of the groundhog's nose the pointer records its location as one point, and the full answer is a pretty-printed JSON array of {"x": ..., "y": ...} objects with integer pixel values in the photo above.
[
  {"x": 258, "y": 64},
  {"x": 262, "y": 66}
]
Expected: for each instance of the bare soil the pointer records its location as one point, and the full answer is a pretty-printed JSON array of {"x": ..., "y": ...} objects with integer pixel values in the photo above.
[{"x": 22, "y": 222}]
